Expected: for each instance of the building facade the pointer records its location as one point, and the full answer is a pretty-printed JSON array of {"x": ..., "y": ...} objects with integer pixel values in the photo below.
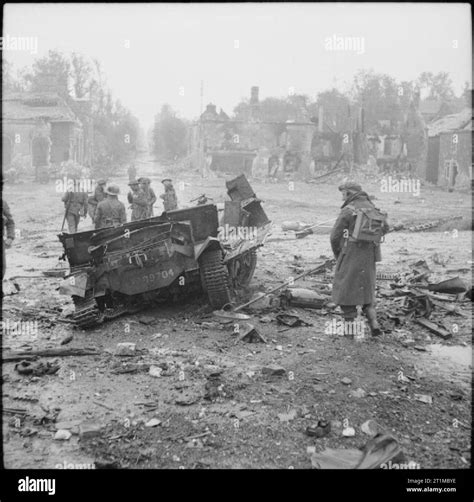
[
  {"x": 449, "y": 162},
  {"x": 40, "y": 129}
]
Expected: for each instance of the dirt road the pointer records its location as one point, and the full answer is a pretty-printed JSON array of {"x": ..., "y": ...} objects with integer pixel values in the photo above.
[{"x": 214, "y": 406}]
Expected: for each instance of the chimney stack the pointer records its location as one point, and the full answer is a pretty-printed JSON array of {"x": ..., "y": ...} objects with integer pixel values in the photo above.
[
  {"x": 211, "y": 109},
  {"x": 254, "y": 95},
  {"x": 321, "y": 119}
]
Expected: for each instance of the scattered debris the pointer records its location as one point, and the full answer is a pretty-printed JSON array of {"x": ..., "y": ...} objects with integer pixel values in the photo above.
[
  {"x": 370, "y": 428},
  {"x": 229, "y": 315},
  {"x": 67, "y": 339},
  {"x": 305, "y": 298},
  {"x": 146, "y": 320},
  {"x": 153, "y": 422},
  {"x": 252, "y": 335},
  {"x": 39, "y": 368},
  {"x": 349, "y": 432},
  {"x": 273, "y": 370},
  {"x": 155, "y": 371},
  {"x": 28, "y": 355},
  {"x": 321, "y": 429},
  {"x": 358, "y": 393},
  {"x": 9, "y": 287},
  {"x": 423, "y": 398},
  {"x": 70, "y": 425},
  {"x": 434, "y": 328},
  {"x": 62, "y": 435},
  {"x": 292, "y": 321},
  {"x": 377, "y": 453},
  {"x": 88, "y": 431},
  {"x": 130, "y": 368},
  {"x": 187, "y": 400},
  {"x": 452, "y": 286},
  {"x": 214, "y": 387},
  {"x": 98, "y": 403},
  {"x": 125, "y": 349}
]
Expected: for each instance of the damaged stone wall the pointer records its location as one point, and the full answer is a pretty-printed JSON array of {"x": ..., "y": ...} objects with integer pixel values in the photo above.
[
  {"x": 455, "y": 147},
  {"x": 416, "y": 140}
]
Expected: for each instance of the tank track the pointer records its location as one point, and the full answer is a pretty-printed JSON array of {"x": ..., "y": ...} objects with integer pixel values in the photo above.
[
  {"x": 87, "y": 313},
  {"x": 242, "y": 278},
  {"x": 215, "y": 278}
]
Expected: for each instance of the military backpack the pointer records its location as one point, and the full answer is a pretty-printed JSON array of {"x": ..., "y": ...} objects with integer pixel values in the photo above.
[{"x": 370, "y": 224}]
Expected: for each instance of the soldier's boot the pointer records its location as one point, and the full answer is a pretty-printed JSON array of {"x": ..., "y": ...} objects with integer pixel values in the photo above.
[{"x": 371, "y": 314}]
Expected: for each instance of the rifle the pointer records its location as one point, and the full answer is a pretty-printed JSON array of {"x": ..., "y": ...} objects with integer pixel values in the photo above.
[
  {"x": 319, "y": 268},
  {"x": 309, "y": 230},
  {"x": 66, "y": 210}
]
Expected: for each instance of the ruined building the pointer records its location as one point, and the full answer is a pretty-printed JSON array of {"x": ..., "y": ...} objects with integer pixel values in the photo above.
[
  {"x": 222, "y": 144},
  {"x": 41, "y": 128},
  {"x": 449, "y": 162},
  {"x": 415, "y": 137}
]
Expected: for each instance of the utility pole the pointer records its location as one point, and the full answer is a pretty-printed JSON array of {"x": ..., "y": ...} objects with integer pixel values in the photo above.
[
  {"x": 202, "y": 94},
  {"x": 201, "y": 139}
]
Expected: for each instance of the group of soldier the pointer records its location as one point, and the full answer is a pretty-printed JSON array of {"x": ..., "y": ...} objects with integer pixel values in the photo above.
[{"x": 106, "y": 210}]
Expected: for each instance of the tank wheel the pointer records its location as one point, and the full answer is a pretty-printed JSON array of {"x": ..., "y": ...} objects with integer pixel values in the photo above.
[
  {"x": 215, "y": 278},
  {"x": 87, "y": 313},
  {"x": 242, "y": 268}
]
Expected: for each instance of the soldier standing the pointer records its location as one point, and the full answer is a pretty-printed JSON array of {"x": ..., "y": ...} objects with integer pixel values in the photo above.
[
  {"x": 110, "y": 212},
  {"x": 132, "y": 172},
  {"x": 170, "y": 201},
  {"x": 136, "y": 197},
  {"x": 75, "y": 204},
  {"x": 9, "y": 226},
  {"x": 354, "y": 278},
  {"x": 99, "y": 195},
  {"x": 149, "y": 195}
]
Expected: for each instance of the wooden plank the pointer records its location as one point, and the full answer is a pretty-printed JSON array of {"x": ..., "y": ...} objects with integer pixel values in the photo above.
[
  {"x": 434, "y": 328},
  {"x": 60, "y": 352}
]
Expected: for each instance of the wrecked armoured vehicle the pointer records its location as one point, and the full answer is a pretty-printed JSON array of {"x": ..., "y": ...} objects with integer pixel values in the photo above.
[{"x": 119, "y": 270}]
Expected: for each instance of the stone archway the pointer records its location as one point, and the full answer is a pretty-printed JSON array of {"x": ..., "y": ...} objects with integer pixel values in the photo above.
[{"x": 40, "y": 153}]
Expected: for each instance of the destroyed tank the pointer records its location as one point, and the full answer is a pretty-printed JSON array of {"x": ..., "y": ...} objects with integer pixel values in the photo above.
[{"x": 118, "y": 270}]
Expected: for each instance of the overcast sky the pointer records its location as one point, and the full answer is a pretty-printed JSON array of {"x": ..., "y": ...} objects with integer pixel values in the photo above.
[{"x": 155, "y": 53}]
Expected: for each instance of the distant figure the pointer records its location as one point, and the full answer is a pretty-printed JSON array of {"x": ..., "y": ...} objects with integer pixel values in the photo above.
[
  {"x": 132, "y": 172},
  {"x": 9, "y": 226},
  {"x": 110, "y": 212},
  {"x": 75, "y": 204},
  {"x": 149, "y": 195},
  {"x": 273, "y": 166},
  {"x": 170, "y": 201},
  {"x": 99, "y": 195},
  {"x": 137, "y": 200}
]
